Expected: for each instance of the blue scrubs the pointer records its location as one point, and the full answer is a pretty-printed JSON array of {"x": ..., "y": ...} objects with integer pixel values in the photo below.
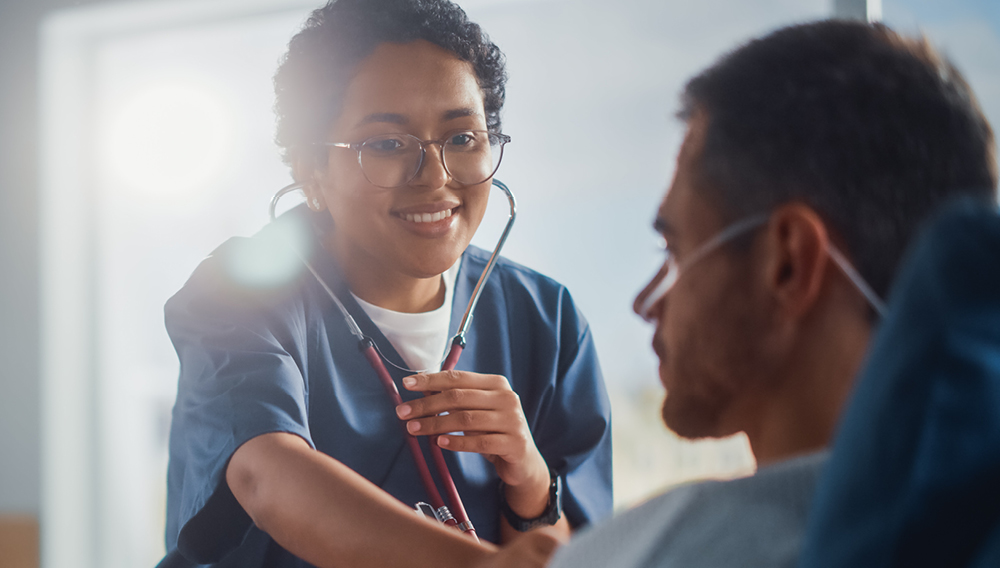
[{"x": 280, "y": 358}]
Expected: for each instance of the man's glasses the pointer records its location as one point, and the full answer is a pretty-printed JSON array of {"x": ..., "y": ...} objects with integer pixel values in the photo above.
[
  {"x": 391, "y": 160},
  {"x": 672, "y": 269}
]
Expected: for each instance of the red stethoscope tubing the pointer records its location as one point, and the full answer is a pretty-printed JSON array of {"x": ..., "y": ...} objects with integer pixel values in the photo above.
[
  {"x": 442, "y": 467},
  {"x": 460, "y": 516}
]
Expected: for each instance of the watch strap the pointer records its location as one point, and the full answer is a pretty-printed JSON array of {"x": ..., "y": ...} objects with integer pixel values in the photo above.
[{"x": 550, "y": 516}]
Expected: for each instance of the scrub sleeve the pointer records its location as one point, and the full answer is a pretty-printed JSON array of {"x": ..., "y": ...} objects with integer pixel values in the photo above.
[{"x": 238, "y": 380}]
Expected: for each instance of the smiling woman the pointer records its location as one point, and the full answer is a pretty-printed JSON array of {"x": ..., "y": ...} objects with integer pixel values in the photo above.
[
  {"x": 283, "y": 449},
  {"x": 424, "y": 90}
]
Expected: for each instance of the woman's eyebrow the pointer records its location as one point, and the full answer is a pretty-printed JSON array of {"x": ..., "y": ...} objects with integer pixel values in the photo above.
[
  {"x": 396, "y": 118},
  {"x": 459, "y": 113},
  {"x": 390, "y": 117}
]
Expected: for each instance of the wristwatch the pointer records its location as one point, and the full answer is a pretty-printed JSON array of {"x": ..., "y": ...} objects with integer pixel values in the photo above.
[{"x": 549, "y": 516}]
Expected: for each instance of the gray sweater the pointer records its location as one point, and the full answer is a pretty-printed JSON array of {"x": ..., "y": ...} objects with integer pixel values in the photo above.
[{"x": 756, "y": 521}]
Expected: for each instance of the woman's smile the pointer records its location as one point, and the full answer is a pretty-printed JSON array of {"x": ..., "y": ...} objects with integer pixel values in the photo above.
[
  {"x": 428, "y": 217},
  {"x": 429, "y": 220}
]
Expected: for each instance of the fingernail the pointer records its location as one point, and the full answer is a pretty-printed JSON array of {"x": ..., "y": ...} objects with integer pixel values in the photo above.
[
  {"x": 413, "y": 426},
  {"x": 403, "y": 410},
  {"x": 409, "y": 381},
  {"x": 443, "y": 442}
]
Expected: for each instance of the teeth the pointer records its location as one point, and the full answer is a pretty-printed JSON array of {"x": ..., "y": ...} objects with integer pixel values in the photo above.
[{"x": 427, "y": 217}]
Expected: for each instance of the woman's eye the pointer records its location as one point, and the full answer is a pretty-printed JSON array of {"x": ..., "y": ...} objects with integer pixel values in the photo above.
[
  {"x": 461, "y": 139},
  {"x": 386, "y": 145}
]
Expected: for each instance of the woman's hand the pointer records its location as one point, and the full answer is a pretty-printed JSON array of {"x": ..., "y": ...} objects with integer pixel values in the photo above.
[{"x": 489, "y": 414}]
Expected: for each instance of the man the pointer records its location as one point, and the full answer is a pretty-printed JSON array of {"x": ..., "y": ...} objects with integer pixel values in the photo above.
[{"x": 811, "y": 157}]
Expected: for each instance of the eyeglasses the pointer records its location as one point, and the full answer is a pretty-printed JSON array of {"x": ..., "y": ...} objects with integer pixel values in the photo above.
[
  {"x": 391, "y": 160},
  {"x": 673, "y": 268}
]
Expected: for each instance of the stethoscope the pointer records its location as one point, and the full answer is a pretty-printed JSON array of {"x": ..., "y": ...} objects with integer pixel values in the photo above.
[{"x": 456, "y": 515}]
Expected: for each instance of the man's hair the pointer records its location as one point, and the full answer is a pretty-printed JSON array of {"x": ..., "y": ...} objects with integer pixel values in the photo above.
[
  {"x": 871, "y": 129},
  {"x": 322, "y": 58}
]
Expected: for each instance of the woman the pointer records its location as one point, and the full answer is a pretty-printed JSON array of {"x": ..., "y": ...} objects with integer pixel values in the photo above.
[{"x": 284, "y": 449}]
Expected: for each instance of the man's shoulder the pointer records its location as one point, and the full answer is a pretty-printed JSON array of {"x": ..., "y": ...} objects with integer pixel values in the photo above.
[
  {"x": 751, "y": 521},
  {"x": 790, "y": 482},
  {"x": 626, "y": 539}
]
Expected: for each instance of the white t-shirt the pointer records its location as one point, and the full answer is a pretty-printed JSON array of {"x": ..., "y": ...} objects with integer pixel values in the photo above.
[
  {"x": 753, "y": 522},
  {"x": 420, "y": 339}
]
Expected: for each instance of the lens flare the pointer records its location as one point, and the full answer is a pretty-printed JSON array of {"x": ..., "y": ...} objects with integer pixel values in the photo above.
[{"x": 271, "y": 259}]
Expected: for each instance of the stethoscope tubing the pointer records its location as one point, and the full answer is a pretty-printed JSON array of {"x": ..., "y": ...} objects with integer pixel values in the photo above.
[
  {"x": 367, "y": 349},
  {"x": 467, "y": 318},
  {"x": 458, "y": 515}
]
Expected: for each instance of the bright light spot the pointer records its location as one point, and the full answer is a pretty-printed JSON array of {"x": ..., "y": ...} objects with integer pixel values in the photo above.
[
  {"x": 270, "y": 258},
  {"x": 169, "y": 139}
]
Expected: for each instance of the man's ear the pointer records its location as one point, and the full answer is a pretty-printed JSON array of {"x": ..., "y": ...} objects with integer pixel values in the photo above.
[{"x": 795, "y": 269}]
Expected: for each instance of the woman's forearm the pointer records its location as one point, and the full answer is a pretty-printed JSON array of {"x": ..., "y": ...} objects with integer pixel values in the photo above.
[{"x": 328, "y": 515}]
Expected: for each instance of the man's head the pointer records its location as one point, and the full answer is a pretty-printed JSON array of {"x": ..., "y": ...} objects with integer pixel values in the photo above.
[{"x": 838, "y": 136}]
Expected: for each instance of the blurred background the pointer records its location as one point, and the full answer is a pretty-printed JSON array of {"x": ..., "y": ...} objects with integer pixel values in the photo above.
[{"x": 137, "y": 135}]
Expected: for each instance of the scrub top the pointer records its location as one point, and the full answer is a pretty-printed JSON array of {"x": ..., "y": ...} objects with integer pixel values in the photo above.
[{"x": 262, "y": 349}]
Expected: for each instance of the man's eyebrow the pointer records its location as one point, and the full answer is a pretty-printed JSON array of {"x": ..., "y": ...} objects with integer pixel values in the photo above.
[
  {"x": 459, "y": 113},
  {"x": 389, "y": 117}
]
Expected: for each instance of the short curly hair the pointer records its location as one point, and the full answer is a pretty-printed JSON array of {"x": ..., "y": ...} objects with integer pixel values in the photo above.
[
  {"x": 872, "y": 129},
  {"x": 314, "y": 74}
]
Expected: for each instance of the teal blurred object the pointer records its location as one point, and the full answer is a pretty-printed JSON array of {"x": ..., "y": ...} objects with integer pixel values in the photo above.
[{"x": 914, "y": 477}]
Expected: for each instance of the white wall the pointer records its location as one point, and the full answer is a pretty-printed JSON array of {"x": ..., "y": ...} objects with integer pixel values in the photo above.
[{"x": 19, "y": 297}]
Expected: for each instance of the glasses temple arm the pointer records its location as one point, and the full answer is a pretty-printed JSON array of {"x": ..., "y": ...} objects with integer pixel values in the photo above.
[{"x": 855, "y": 277}]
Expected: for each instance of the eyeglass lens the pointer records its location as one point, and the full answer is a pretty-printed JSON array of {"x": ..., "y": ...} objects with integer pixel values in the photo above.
[{"x": 392, "y": 160}]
